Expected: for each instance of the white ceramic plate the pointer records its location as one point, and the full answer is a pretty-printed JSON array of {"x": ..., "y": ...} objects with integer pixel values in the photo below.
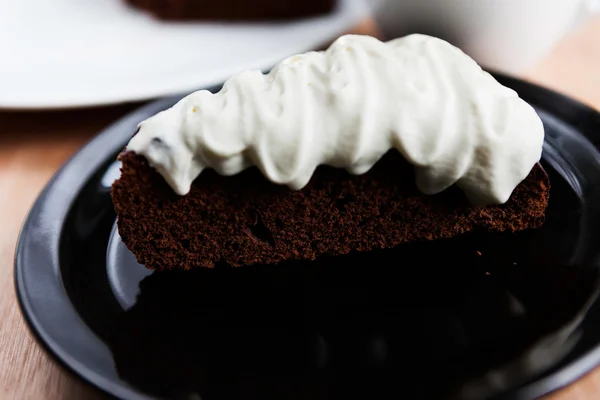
[{"x": 75, "y": 53}]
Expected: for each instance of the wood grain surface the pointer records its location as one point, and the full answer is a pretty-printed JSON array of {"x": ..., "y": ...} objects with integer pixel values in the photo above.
[{"x": 34, "y": 144}]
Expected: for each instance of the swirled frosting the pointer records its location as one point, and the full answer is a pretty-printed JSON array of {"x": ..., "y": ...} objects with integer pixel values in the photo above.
[{"x": 348, "y": 106}]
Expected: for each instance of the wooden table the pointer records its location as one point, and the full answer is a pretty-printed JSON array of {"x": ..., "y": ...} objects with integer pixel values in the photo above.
[{"x": 34, "y": 144}]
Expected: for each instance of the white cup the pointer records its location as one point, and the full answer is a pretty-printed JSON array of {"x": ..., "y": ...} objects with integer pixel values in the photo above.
[{"x": 505, "y": 35}]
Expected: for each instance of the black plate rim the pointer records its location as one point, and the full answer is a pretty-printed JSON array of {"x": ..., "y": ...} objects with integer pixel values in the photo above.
[
  {"x": 79, "y": 162},
  {"x": 84, "y": 163}
]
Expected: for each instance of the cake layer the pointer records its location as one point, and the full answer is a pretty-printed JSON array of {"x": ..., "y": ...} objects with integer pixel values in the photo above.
[{"x": 245, "y": 219}]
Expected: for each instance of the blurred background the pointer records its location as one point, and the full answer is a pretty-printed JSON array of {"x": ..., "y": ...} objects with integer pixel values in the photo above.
[{"x": 79, "y": 53}]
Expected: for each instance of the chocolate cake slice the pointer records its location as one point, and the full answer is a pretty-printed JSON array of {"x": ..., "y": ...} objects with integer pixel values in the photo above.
[
  {"x": 364, "y": 146},
  {"x": 245, "y": 219},
  {"x": 233, "y": 10}
]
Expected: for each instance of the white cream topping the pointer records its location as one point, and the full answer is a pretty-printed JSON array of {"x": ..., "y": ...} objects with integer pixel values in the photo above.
[{"x": 348, "y": 106}]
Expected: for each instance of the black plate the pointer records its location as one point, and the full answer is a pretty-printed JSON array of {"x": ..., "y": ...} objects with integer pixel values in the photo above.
[{"x": 494, "y": 316}]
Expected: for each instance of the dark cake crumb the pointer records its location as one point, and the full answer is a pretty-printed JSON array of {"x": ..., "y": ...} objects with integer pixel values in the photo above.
[{"x": 245, "y": 219}]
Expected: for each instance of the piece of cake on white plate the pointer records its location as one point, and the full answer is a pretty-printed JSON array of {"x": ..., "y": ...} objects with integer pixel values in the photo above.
[
  {"x": 363, "y": 146},
  {"x": 233, "y": 10}
]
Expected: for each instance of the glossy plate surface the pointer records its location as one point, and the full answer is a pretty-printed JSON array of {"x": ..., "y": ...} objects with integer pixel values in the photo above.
[{"x": 449, "y": 319}]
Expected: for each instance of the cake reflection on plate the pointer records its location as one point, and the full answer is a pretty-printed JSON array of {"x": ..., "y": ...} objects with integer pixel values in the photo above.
[{"x": 449, "y": 310}]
